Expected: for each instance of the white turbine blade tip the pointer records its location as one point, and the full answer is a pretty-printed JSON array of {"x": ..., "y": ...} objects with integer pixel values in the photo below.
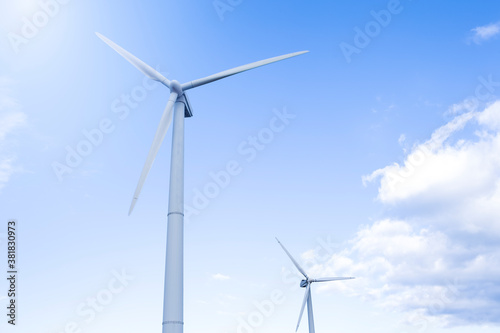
[
  {"x": 300, "y": 269},
  {"x": 161, "y": 131},
  {"x": 132, "y": 205},
  {"x": 327, "y": 279},
  {"x": 104, "y": 38},
  {"x": 300, "y": 52},
  {"x": 138, "y": 63},
  {"x": 306, "y": 296},
  {"x": 236, "y": 70}
]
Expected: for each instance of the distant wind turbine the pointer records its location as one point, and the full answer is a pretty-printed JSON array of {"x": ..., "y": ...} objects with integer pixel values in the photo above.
[
  {"x": 307, "y": 284},
  {"x": 177, "y": 108}
]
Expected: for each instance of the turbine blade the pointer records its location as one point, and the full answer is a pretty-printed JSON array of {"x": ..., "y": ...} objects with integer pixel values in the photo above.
[
  {"x": 331, "y": 279},
  {"x": 138, "y": 63},
  {"x": 293, "y": 260},
  {"x": 306, "y": 296},
  {"x": 165, "y": 121},
  {"x": 236, "y": 70}
]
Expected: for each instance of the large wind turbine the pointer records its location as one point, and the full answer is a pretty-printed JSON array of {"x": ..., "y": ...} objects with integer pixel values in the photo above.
[
  {"x": 177, "y": 108},
  {"x": 307, "y": 296}
]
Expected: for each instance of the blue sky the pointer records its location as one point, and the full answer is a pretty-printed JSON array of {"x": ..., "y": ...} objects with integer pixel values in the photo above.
[{"x": 386, "y": 167}]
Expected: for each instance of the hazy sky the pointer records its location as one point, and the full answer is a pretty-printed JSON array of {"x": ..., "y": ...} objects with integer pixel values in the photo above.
[{"x": 376, "y": 155}]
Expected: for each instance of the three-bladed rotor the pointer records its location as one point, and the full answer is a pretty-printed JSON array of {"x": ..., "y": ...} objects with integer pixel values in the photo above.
[
  {"x": 307, "y": 284},
  {"x": 177, "y": 94}
]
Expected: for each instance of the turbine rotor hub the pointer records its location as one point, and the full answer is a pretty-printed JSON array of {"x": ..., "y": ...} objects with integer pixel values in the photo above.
[{"x": 175, "y": 86}]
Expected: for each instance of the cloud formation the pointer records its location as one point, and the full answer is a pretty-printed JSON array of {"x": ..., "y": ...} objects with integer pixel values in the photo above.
[
  {"x": 439, "y": 260},
  {"x": 11, "y": 119},
  {"x": 483, "y": 33},
  {"x": 220, "y": 277}
]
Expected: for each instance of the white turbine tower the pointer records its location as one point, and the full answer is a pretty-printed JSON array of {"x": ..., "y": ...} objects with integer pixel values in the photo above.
[
  {"x": 177, "y": 108},
  {"x": 307, "y": 296}
]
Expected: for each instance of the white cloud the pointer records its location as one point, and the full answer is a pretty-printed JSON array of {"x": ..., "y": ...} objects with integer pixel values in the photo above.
[
  {"x": 6, "y": 170},
  {"x": 11, "y": 119},
  {"x": 434, "y": 166},
  {"x": 439, "y": 261},
  {"x": 220, "y": 277},
  {"x": 468, "y": 105},
  {"x": 420, "y": 272},
  {"x": 402, "y": 139},
  {"x": 490, "y": 117},
  {"x": 483, "y": 33}
]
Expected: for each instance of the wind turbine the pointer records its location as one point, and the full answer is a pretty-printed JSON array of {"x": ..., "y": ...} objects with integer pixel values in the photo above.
[
  {"x": 177, "y": 108},
  {"x": 307, "y": 296}
]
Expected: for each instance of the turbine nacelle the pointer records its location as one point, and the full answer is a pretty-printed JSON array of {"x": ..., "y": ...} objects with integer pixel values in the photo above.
[{"x": 304, "y": 283}]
